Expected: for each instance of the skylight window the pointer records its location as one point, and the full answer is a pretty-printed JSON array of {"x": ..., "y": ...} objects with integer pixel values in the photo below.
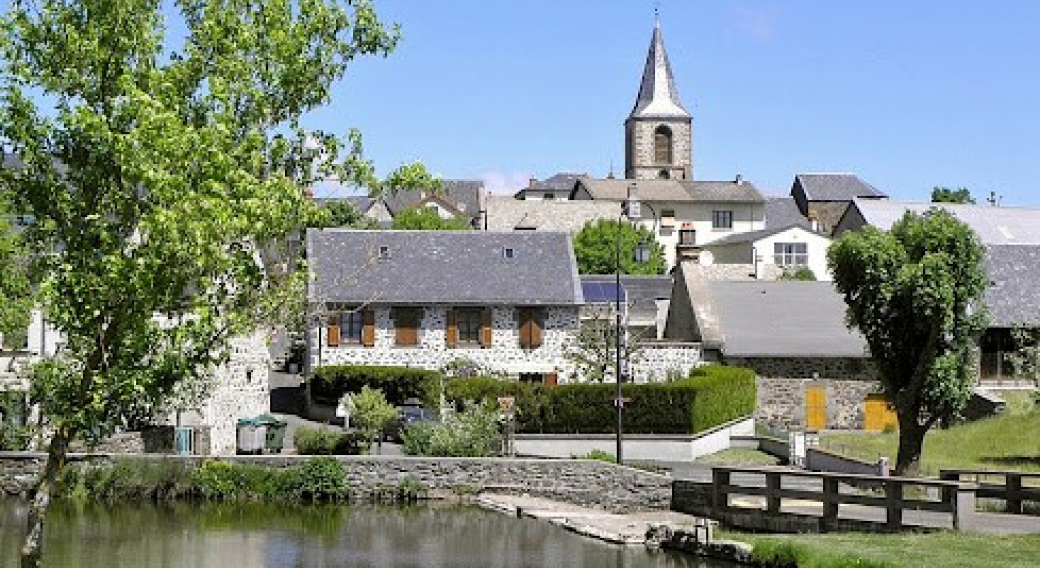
[
  {"x": 384, "y": 253},
  {"x": 509, "y": 253}
]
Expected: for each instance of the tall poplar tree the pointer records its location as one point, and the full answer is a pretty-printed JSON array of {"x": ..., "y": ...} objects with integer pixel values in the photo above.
[{"x": 155, "y": 169}]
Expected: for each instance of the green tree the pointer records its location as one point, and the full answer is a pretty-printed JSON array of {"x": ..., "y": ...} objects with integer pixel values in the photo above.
[
  {"x": 913, "y": 293},
  {"x": 947, "y": 195},
  {"x": 428, "y": 219},
  {"x": 596, "y": 248},
  {"x": 369, "y": 410},
  {"x": 1025, "y": 359},
  {"x": 154, "y": 171},
  {"x": 342, "y": 214},
  {"x": 15, "y": 289},
  {"x": 594, "y": 351}
]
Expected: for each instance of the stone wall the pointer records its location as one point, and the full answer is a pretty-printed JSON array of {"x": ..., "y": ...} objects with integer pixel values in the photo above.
[
  {"x": 505, "y": 354},
  {"x": 642, "y": 165},
  {"x": 783, "y": 382},
  {"x": 583, "y": 482},
  {"x": 655, "y": 361}
]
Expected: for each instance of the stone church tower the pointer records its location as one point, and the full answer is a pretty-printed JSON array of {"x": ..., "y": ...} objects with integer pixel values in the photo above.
[{"x": 658, "y": 132}]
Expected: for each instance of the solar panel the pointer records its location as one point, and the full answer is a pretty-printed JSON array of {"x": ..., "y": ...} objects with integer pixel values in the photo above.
[{"x": 602, "y": 292}]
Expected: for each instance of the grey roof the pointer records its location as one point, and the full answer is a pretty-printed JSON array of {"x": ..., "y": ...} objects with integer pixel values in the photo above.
[
  {"x": 658, "y": 96},
  {"x": 360, "y": 202},
  {"x": 558, "y": 182},
  {"x": 462, "y": 195},
  {"x": 784, "y": 319},
  {"x": 672, "y": 190},
  {"x": 508, "y": 214},
  {"x": 994, "y": 225},
  {"x": 442, "y": 267},
  {"x": 783, "y": 212},
  {"x": 752, "y": 236},
  {"x": 643, "y": 291},
  {"x": 834, "y": 187},
  {"x": 1013, "y": 295}
]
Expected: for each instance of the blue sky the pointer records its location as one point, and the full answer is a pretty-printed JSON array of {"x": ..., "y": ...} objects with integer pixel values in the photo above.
[{"x": 908, "y": 95}]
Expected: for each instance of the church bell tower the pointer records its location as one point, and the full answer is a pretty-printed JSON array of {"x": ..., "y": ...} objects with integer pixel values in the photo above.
[{"x": 658, "y": 132}]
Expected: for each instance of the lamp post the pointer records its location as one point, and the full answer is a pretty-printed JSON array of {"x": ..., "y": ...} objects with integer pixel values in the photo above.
[{"x": 630, "y": 209}]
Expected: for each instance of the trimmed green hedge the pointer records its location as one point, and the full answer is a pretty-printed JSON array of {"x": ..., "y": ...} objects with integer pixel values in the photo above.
[
  {"x": 331, "y": 382},
  {"x": 709, "y": 397}
]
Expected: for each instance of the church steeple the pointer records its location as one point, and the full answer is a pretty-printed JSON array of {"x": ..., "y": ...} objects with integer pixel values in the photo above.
[{"x": 658, "y": 130}]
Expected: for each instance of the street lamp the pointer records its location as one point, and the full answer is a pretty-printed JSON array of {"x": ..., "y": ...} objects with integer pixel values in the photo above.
[{"x": 630, "y": 209}]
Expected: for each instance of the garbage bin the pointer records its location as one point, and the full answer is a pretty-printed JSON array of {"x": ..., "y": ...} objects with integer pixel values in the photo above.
[
  {"x": 274, "y": 437},
  {"x": 250, "y": 436}
]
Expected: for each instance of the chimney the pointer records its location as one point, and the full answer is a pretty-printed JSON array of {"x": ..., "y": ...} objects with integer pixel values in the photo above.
[
  {"x": 532, "y": 182},
  {"x": 740, "y": 179}
]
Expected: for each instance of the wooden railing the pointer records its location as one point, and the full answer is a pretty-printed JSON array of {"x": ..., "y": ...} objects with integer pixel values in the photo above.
[
  {"x": 879, "y": 493},
  {"x": 1011, "y": 488}
]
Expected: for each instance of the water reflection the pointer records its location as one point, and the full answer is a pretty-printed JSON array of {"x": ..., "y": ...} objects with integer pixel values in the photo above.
[{"x": 266, "y": 536}]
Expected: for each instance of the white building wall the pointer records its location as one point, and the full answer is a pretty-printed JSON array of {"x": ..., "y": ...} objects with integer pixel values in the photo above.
[
  {"x": 817, "y": 246},
  {"x": 698, "y": 217}
]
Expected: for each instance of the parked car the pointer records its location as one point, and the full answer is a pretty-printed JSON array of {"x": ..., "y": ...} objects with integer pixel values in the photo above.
[{"x": 407, "y": 414}]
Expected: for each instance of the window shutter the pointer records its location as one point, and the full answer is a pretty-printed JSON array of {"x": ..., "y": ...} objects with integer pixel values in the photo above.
[
  {"x": 451, "y": 334},
  {"x": 368, "y": 329},
  {"x": 332, "y": 332},
  {"x": 536, "y": 329},
  {"x": 485, "y": 328},
  {"x": 551, "y": 379}
]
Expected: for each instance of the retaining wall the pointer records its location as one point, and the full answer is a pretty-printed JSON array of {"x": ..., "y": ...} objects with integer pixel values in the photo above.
[{"x": 583, "y": 482}]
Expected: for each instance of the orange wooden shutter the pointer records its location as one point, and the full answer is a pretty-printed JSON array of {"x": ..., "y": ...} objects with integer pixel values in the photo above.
[
  {"x": 485, "y": 328},
  {"x": 451, "y": 335},
  {"x": 368, "y": 329},
  {"x": 816, "y": 407},
  {"x": 332, "y": 332},
  {"x": 551, "y": 379},
  {"x": 536, "y": 328}
]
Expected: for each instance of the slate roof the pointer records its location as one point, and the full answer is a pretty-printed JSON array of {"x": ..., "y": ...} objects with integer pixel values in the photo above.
[
  {"x": 994, "y": 225},
  {"x": 672, "y": 190},
  {"x": 752, "y": 236},
  {"x": 834, "y": 187},
  {"x": 658, "y": 96},
  {"x": 559, "y": 182},
  {"x": 442, "y": 267},
  {"x": 643, "y": 291},
  {"x": 784, "y": 319},
  {"x": 783, "y": 212},
  {"x": 508, "y": 214},
  {"x": 462, "y": 195},
  {"x": 1013, "y": 294}
]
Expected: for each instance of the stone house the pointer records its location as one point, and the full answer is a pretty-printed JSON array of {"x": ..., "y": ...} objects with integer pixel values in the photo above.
[
  {"x": 507, "y": 301},
  {"x": 813, "y": 372},
  {"x": 463, "y": 199},
  {"x": 1011, "y": 236}
]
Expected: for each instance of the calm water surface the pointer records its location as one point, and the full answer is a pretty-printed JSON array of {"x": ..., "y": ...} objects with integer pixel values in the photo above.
[{"x": 265, "y": 536}]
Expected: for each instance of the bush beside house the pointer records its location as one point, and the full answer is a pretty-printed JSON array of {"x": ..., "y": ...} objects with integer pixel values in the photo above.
[{"x": 331, "y": 382}]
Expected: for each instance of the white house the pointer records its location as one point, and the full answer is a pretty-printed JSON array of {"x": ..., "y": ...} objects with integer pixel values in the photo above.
[{"x": 788, "y": 248}]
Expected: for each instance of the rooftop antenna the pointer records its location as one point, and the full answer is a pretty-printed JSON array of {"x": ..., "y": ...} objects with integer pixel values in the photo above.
[{"x": 994, "y": 199}]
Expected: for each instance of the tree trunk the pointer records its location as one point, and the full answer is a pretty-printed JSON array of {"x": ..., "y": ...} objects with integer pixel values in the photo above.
[
  {"x": 32, "y": 549},
  {"x": 911, "y": 441}
]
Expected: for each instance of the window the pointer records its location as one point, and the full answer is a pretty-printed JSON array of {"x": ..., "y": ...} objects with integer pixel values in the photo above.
[
  {"x": 667, "y": 217},
  {"x": 663, "y": 145},
  {"x": 687, "y": 237},
  {"x": 350, "y": 324},
  {"x": 721, "y": 219},
  {"x": 790, "y": 254},
  {"x": 531, "y": 323},
  {"x": 406, "y": 326},
  {"x": 468, "y": 322},
  {"x": 384, "y": 253},
  {"x": 663, "y": 174},
  {"x": 549, "y": 196},
  {"x": 509, "y": 252}
]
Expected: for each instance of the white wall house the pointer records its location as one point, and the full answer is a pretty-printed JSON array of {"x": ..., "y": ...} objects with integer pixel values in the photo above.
[{"x": 787, "y": 248}]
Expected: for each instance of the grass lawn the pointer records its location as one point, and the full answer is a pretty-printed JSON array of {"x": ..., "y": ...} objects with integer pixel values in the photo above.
[
  {"x": 943, "y": 549},
  {"x": 736, "y": 457},
  {"x": 1009, "y": 441}
]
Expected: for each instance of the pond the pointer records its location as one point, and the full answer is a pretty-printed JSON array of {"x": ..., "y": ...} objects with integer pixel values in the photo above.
[{"x": 268, "y": 536}]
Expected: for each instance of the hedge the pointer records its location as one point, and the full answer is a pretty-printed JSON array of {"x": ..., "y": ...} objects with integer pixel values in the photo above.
[
  {"x": 709, "y": 397},
  {"x": 331, "y": 382}
]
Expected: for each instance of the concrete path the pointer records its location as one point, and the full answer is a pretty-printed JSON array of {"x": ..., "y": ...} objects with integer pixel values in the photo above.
[{"x": 629, "y": 529}]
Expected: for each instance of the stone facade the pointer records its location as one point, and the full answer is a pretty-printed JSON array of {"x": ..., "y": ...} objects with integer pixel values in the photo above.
[
  {"x": 782, "y": 385},
  {"x": 639, "y": 138},
  {"x": 657, "y": 361},
  {"x": 505, "y": 355},
  {"x": 240, "y": 390},
  {"x": 582, "y": 482}
]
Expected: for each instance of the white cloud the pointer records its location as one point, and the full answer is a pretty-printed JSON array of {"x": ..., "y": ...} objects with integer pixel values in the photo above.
[
  {"x": 758, "y": 20},
  {"x": 504, "y": 183}
]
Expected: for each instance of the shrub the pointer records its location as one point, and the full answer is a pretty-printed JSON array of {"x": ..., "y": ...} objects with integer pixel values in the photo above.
[
  {"x": 225, "y": 481},
  {"x": 470, "y": 433},
  {"x": 14, "y": 433},
  {"x": 723, "y": 394},
  {"x": 331, "y": 382},
  {"x": 322, "y": 478},
  {"x": 328, "y": 441},
  {"x": 369, "y": 410}
]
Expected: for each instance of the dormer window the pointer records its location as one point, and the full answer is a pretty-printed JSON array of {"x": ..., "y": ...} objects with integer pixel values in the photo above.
[
  {"x": 384, "y": 253},
  {"x": 509, "y": 253}
]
